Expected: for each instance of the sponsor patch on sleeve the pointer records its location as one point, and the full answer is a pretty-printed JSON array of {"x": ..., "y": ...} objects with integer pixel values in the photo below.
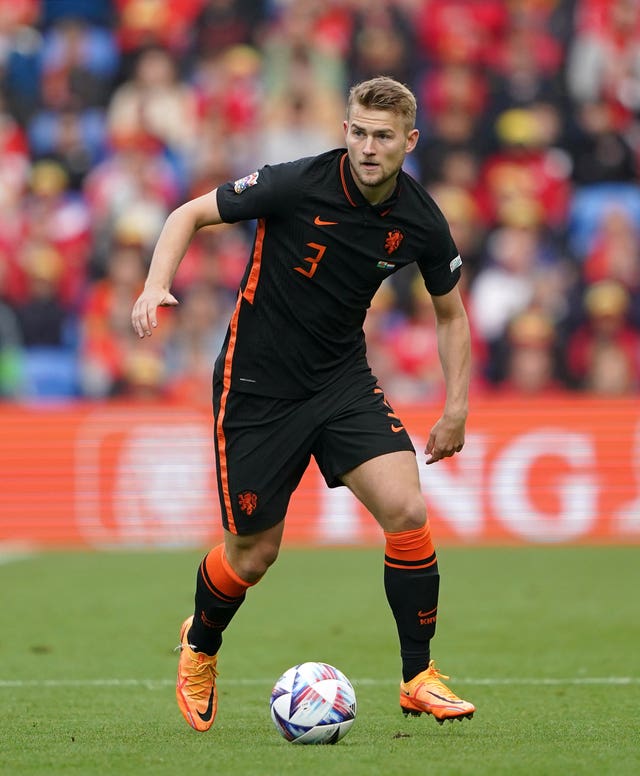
[
  {"x": 243, "y": 183},
  {"x": 455, "y": 263}
]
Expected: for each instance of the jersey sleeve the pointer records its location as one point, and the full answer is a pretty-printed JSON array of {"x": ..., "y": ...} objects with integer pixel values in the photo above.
[
  {"x": 440, "y": 264},
  {"x": 266, "y": 192}
]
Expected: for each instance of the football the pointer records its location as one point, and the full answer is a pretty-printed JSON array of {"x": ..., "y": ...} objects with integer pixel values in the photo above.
[{"x": 313, "y": 703}]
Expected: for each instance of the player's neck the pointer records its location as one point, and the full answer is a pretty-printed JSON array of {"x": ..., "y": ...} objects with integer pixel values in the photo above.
[{"x": 375, "y": 195}]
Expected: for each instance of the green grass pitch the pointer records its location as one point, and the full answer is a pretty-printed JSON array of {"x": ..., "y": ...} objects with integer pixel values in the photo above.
[{"x": 545, "y": 642}]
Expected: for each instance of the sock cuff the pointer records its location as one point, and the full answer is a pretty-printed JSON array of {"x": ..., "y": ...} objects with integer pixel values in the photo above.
[
  {"x": 220, "y": 578},
  {"x": 414, "y": 548}
]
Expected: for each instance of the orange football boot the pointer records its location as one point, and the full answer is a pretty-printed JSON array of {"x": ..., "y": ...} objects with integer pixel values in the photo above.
[
  {"x": 196, "y": 684},
  {"x": 426, "y": 693}
]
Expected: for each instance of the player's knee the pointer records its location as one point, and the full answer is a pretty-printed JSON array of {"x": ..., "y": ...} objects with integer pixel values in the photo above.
[
  {"x": 251, "y": 563},
  {"x": 406, "y": 514}
]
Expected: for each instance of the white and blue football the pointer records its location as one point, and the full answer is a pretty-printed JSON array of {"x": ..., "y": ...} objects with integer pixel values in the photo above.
[{"x": 313, "y": 703}]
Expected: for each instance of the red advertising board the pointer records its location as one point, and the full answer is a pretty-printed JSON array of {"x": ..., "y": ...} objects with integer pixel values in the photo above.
[{"x": 127, "y": 475}]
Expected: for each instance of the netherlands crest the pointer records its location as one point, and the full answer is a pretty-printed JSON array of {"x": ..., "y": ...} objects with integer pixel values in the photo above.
[
  {"x": 248, "y": 502},
  {"x": 392, "y": 241}
]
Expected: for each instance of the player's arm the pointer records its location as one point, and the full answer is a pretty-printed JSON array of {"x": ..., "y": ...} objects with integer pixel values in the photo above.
[
  {"x": 454, "y": 348},
  {"x": 172, "y": 244}
]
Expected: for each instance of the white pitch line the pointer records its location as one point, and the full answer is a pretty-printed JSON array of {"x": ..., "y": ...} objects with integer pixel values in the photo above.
[{"x": 155, "y": 684}]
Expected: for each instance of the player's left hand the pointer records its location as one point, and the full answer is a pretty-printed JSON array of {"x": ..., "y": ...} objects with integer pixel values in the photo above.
[
  {"x": 446, "y": 438},
  {"x": 144, "y": 316}
]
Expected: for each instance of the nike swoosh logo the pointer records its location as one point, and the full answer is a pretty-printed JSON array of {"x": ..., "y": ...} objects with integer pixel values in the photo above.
[
  {"x": 426, "y": 614},
  {"x": 319, "y": 222},
  {"x": 446, "y": 700},
  {"x": 209, "y": 712},
  {"x": 397, "y": 428}
]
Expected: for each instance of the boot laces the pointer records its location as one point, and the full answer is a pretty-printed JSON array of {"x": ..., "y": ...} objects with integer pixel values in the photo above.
[
  {"x": 199, "y": 670},
  {"x": 434, "y": 677}
]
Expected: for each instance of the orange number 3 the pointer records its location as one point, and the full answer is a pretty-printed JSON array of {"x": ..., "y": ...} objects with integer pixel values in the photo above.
[{"x": 313, "y": 260}]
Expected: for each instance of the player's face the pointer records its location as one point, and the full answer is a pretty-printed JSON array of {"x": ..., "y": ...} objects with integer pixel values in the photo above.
[{"x": 377, "y": 143}]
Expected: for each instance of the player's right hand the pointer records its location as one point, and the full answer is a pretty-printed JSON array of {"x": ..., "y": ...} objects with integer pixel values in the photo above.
[{"x": 144, "y": 314}]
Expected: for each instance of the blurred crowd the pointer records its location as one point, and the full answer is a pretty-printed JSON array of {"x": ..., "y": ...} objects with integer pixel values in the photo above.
[{"x": 113, "y": 112}]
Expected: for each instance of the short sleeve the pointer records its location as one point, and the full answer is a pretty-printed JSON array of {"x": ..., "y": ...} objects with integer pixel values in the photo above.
[
  {"x": 266, "y": 192},
  {"x": 441, "y": 264}
]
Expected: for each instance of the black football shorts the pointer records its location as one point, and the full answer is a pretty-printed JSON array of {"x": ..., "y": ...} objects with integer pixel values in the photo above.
[{"x": 264, "y": 444}]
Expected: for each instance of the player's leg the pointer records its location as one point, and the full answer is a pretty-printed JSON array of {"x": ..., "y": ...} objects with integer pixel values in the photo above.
[
  {"x": 365, "y": 446},
  {"x": 261, "y": 454},
  {"x": 223, "y": 578},
  {"x": 220, "y": 591},
  {"x": 389, "y": 486}
]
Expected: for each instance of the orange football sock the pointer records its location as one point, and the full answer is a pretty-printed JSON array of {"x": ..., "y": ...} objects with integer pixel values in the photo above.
[
  {"x": 412, "y": 583},
  {"x": 220, "y": 592}
]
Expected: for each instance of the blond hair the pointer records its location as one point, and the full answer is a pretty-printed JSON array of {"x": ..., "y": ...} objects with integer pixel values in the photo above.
[{"x": 384, "y": 93}]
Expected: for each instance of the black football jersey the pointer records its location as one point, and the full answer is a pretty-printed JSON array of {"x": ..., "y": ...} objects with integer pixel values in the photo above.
[{"x": 319, "y": 255}]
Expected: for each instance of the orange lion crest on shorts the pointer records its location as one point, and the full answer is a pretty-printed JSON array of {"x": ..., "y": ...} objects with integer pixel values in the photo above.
[{"x": 248, "y": 502}]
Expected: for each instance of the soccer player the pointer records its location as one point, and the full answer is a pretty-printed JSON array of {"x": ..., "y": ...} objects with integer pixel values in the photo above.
[{"x": 292, "y": 380}]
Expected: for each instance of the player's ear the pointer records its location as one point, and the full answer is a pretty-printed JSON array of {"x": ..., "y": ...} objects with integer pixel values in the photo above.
[{"x": 412, "y": 140}]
